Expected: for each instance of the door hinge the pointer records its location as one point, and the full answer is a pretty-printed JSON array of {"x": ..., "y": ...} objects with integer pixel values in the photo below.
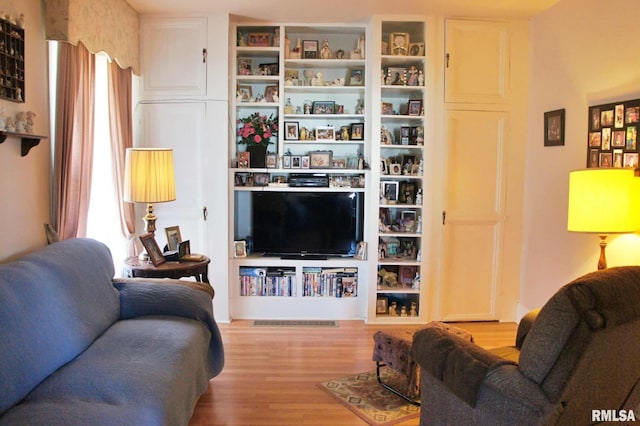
[
  {"x": 205, "y": 213},
  {"x": 446, "y": 60},
  {"x": 204, "y": 56},
  {"x": 444, "y": 217}
]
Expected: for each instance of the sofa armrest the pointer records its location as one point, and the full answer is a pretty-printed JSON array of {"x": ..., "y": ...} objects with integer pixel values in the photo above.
[
  {"x": 142, "y": 297},
  {"x": 460, "y": 365},
  {"x": 191, "y": 284}
]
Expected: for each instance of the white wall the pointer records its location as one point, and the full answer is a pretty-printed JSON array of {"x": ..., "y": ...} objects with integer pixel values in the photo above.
[
  {"x": 584, "y": 52},
  {"x": 24, "y": 181}
]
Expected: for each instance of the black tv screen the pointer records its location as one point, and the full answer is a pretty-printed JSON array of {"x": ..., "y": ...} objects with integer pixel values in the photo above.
[{"x": 306, "y": 223}]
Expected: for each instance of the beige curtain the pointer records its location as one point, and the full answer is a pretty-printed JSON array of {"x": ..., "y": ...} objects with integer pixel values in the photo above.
[
  {"x": 73, "y": 149},
  {"x": 121, "y": 127}
]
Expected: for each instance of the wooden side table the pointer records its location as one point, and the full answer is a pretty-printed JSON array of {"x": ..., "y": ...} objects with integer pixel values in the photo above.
[{"x": 135, "y": 268}]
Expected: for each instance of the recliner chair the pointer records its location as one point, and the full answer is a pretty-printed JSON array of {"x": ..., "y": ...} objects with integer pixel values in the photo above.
[{"x": 580, "y": 356}]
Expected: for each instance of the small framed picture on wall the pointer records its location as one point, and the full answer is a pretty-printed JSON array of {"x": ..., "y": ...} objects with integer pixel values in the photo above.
[{"x": 554, "y": 128}]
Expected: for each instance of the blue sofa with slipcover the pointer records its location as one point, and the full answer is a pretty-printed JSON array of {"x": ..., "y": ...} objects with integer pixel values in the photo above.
[{"x": 80, "y": 348}]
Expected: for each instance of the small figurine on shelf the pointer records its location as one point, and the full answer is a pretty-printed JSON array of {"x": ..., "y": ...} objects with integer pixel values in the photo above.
[
  {"x": 412, "y": 79},
  {"x": 20, "y": 20},
  {"x": 18, "y": 94},
  {"x": 393, "y": 309},
  {"x": 325, "y": 50},
  {"x": 3, "y": 118},
  {"x": 287, "y": 47},
  {"x": 413, "y": 312},
  {"x": 21, "y": 118},
  {"x": 419, "y": 197},
  {"x": 10, "y": 124},
  {"x": 30, "y": 121},
  {"x": 420, "y": 78},
  {"x": 403, "y": 311},
  {"x": 416, "y": 282},
  {"x": 276, "y": 37}
]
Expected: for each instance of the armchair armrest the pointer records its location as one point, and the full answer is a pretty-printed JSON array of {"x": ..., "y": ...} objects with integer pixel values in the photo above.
[
  {"x": 191, "y": 284},
  {"x": 460, "y": 365}
]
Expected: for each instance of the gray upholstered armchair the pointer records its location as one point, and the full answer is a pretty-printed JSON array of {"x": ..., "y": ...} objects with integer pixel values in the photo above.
[{"x": 581, "y": 353}]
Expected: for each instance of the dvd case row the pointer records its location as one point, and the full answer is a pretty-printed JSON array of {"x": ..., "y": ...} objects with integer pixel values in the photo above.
[
  {"x": 330, "y": 282},
  {"x": 267, "y": 282}
]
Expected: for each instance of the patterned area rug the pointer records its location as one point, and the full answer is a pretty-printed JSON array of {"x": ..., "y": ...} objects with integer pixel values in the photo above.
[{"x": 363, "y": 395}]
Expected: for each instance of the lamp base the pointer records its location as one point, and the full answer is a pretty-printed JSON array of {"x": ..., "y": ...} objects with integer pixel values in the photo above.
[
  {"x": 602, "y": 262},
  {"x": 150, "y": 228}
]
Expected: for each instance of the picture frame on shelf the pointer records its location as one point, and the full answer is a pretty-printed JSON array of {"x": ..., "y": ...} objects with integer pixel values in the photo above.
[
  {"x": 296, "y": 161},
  {"x": 259, "y": 39},
  {"x": 408, "y": 214},
  {"x": 243, "y": 160},
  {"x": 304, "y": 162},
  {"x": 239, "y": 249},
  {"x": 395, "y": 169},
  {"x": 286, "y": 161},
  {"x": 320, "y": 159},
  {"x": 405, "y": 135},
  {"x": 325, "y": 134},
  {"x": 408, "y": 163},
  {"x": 390, "y": 191},
  {"x": 271, "y": 160},
  {"x": 384, "y": 167},
  {"x": 309, "y": 49},
  {"x": 382, "y": 305},
  {"x": 323, "y": 107},
  {"x": 387, "y": 108},
  {"x": 184, "y": 249},
  {"x": 416, "y": 49},
  {"x": 271, "y": 93},
  {"x": 396, "y": 76},
  {"x": 174, "y": 238},
  {"x": 291, "y": 130},
  {"x": 406, "y": 274},
  {"x": 245, "y": 66},
  {"x": 355, "y": 76},
  {"x": 399, "y": 44},
  {"x": 153, "y": 250},
  {"x": 291, "y": 75},
  {"x": 554, "y": 127},
  {"x": 245, "y": 93},
  {"x": 357, "y": 132},
  {"x": 261, "y": 179},
  {"x": 414, "y": 107},
  {"x": 339, "y": 163},
  {"x": 407, "y": 193},
  {"x": 272, "y": 68}
]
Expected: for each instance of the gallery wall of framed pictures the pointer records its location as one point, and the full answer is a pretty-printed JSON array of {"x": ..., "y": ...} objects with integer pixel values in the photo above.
[{"x": 613, "y": 134}]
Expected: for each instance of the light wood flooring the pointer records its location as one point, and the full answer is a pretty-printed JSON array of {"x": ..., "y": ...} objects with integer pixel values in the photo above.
[{"x": 270, "y": 373}]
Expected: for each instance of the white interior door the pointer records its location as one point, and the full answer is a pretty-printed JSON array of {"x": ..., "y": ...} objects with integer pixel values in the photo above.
[{"x": 474, "y": 214}]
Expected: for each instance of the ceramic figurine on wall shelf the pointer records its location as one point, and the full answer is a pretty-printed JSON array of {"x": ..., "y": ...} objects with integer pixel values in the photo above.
[
  {"x": 30, "y": 121},
  {"x": 325, "y": 50},
  {"x": 10, "y": 124},
  {"x": 21, "y": 118}
]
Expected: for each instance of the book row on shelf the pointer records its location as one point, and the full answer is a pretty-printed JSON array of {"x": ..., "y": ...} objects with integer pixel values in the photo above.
[
  {"x": 335, "y": 282},
  {"x": 267, "y": 282}
]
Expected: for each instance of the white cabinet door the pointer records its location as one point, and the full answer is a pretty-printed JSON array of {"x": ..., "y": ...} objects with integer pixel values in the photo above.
[
  {"x": 173, "y": 57},
  {"x": 474, "y": 215},
  {"x": 476, "y": 61},
  {"x": 182, "y": 127}
]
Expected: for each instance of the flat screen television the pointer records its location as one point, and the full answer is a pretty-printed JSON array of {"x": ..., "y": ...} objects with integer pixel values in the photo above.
[{"x": 306, "y": 224}]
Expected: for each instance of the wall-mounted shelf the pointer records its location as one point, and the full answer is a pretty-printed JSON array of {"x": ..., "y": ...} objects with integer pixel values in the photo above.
[{"x": 28, "y": 140}]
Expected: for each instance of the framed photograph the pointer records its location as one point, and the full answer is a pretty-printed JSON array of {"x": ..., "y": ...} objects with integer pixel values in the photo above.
[
  {"x": 184, "y": 249},
  {"x": 416, "y": 49},
  {"x": 323, "y": 107},
  {"x": 357, "y": 131},
  {"x": 554, "y": 128},
  {"x": 396, "y": 76},
  {"x": 406, "y": 274},
  {"x": 173, "y": 237},
  {"x": 387, "y": 108},
  {"x": 361, "y": 251},
  {"x": 291, "y": 130},
  {"x": 152, "y": 248},
  {"x": 399, "y": 43},
  {"x": 339, "y": 163},
  {"x": 304, "y": 162},
  {"x": 296, "y": 161},
  {"x": 408, "y": 161},
  {"x": 243, "y": 160},
  {"x": 382, "y": 305},
  {"x": 395, "y": 169},
  {"x": 240, "y": 249},
  {"x": 286, "y": 161},
  {"x": 271, "y": 93},
  {"x": 259, "y": 39},
  {"x": 271, "y": 160},
  {"x": 355, "y": 76},
  {"x": 414, "y": 107},
  {"x": 261, "y": 179},
  {"x": 245, "y": 66},
  {"x": 405, "y": 135},
  {"x": 390, "y": 191},
  {"x": 244, "y": 93},
  {"x": 407, "y": 193},
  {"x": 292, "y": 75},
  {"x": 320, "y": 159},
  {"x": 384, "y": 168},
  {"x": 326, "y": 133},
  {"x": 269, "y": 69},
  {"x": 309, "y": 49},
  {"x": 606, "y": 159}
]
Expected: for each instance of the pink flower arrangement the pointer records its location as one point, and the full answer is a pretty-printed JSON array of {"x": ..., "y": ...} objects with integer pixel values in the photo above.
[{"x": 257, "y": 129}]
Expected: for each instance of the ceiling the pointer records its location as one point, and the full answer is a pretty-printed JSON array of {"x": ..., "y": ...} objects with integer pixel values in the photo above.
[{"x": 345, "y": 10}]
